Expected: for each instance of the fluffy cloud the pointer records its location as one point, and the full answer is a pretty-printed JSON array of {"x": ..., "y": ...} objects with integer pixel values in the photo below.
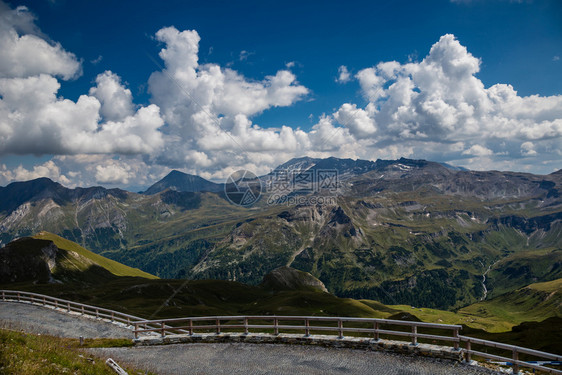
[
  {"x": 360, "y": 122},
  {"x": 116, "y": 100},
  {"x": 528, "y": 149},
  {"x": 441, "y": 101},
  {"x": 29, "y": 54},
  {"x": 208, "y": 108},
  {"x": 343, "y": 75},
  {"x": 35, "y": 120},
  {"x": 478, "y": 150},
  {"x": 48, "y": 169}
]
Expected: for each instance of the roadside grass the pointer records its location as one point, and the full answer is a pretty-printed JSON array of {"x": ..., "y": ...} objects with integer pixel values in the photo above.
[{"x": 22, "y": 353}]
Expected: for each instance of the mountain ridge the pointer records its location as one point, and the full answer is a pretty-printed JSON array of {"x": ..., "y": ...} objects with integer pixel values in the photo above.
[{"x": 401, "y": 233}]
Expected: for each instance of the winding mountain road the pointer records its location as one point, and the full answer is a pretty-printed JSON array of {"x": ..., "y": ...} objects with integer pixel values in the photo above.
[{"x": 225, "y": 358}]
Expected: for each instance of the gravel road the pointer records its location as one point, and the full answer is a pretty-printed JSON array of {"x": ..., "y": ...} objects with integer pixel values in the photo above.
[
  {"x": 37, "y": 319},
  {"x": 254, "y": 359}
]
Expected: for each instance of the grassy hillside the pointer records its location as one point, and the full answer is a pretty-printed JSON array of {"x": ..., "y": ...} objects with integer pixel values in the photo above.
[
  {"x": 535, "y": 302},
  {"x": 524, "y": 268},
  {"x": 112, "y": 266}
]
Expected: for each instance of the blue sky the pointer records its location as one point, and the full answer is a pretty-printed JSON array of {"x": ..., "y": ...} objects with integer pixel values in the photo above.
[{"x": 465, "y": 118}]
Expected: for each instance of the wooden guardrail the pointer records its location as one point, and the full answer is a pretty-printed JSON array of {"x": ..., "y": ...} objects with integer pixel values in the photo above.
[
  {"x": 341, "y": 325},
  {"x": 68, "y": 306},
  {"x": 515, "y": 352},
  {"x": 309, "y": 324},
  {"x": 329, "y": 324}
]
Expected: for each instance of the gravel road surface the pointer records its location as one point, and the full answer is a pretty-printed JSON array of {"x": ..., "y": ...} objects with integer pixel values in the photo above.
[
  {"x": 37, "y": 319},
  {"x": 254, "y": 359}
]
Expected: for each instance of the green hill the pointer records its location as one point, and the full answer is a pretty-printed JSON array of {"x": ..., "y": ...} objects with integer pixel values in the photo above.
[{"x": 79, "y": 264}]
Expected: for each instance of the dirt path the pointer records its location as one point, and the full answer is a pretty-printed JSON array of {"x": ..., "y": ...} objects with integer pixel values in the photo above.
[{"x": 37, "y": 319}]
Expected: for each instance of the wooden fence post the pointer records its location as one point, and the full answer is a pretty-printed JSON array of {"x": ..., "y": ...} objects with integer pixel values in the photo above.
[
  {"x": 340, "y": 329},
  {"x": 468, "y": 349},
  {"x": 218, "y": 323},
  {"x": 515, "y": 365},
  {"x": 245, "y": 325},
  {"x": 162, "y": 329},
  {"x": 414, "y": 335},
  {"x": 276, "y": 326},
  {"x": 18, "y": 296},
  {"x": 376, "y": 327},
  {"x": 190, "y": 327},
  {"x": 3, "y": 296},
  {"x": 68, "y": 306},
  {"x": 456, "y": 335},
  {"x": 136, "y": 330}
]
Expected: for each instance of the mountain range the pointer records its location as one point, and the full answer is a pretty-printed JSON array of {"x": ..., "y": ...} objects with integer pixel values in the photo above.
[{"x": 401, "y": 231}]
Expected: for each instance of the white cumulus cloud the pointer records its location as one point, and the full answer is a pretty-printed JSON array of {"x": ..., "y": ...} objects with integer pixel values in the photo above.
[
  {"x": 116, "y": 100},
  {"x": 24, "y": 53},
  {"x": 440, "y": 100},
  {"x": 34, "y": 119},
  {"x": 343, "y": 75}
]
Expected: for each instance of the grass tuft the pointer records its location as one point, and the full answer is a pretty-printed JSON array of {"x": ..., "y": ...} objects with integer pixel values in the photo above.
[{"x": 29, "y": 354}]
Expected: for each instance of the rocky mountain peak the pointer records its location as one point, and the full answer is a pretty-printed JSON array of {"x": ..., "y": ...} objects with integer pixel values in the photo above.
[{"x": 183, "y": 182}]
